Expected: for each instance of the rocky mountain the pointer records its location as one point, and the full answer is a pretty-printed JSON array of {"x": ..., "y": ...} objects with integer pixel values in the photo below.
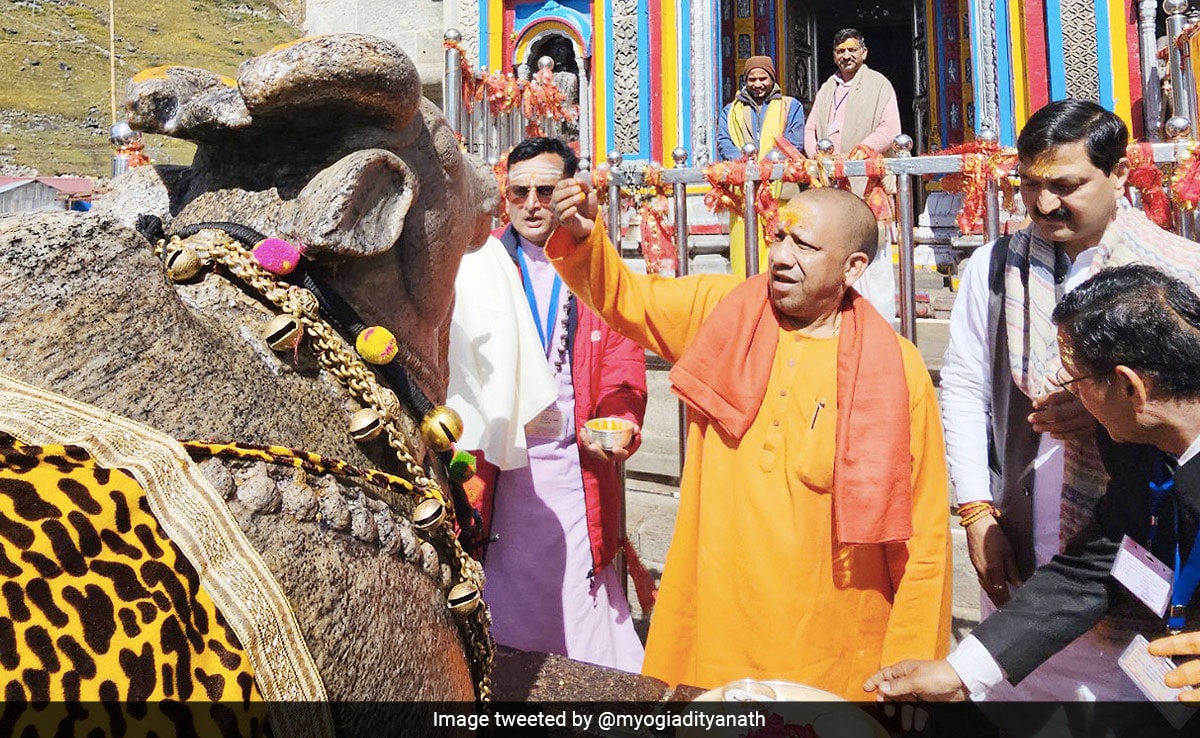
[{"x": 55, "y": 103}]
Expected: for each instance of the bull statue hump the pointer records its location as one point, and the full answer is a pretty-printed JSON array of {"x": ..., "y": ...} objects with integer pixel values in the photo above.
[{"x": 327, "y": 145}]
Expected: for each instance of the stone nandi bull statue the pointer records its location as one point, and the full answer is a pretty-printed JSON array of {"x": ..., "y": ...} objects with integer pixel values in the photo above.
[{"x": 328, "y": 144}]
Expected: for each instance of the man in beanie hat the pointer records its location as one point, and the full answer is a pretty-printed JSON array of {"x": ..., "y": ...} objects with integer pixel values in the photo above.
[{"x": 760, "y": 113}]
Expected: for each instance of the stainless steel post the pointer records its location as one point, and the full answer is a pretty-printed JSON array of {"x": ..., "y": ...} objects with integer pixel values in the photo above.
[
  {"x": 452, "y": 82},
  {"x": 1151, "y": 84},
  {"x": 991, "y": 221},
  {"x": 680, "y": 155},
  {"x": 1178, "y": 129},
  {"x": 614, "y": 197},
  {"x": 1176, "y": 20},
  {"x": 750, "y": 216},
  {"x": 585, "y": 106},
  {"x": 614, "y": 231},
  {"x": 902, "y": 146}
]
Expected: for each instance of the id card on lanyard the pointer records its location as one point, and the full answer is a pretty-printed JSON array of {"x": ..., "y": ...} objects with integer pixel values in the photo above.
[{"x": 1145, "y": 576}]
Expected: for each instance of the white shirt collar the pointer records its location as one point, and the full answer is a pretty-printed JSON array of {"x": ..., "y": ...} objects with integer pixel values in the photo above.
[{"x": 1191, "y": 452}]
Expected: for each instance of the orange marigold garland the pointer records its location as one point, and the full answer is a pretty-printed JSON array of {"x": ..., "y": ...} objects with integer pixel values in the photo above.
[
  {"x": 876, "y": 196},
  {"x": 500, "y": 169},
  {"x": 980, "y": 160},
  {"x": 1185, "y": 185},
  {"x": 1147, "y": 179},
  {"x": 501, "y": 93},
  {"x": 542, "y": 99},
  {"x": 658, "y": 238},
  {"x": 467, "y": 74},
  {"x": 727, "y": 180}
]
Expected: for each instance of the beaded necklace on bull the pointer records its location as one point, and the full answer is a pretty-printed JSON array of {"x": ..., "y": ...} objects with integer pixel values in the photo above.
[{"x": 309, "y": 308}]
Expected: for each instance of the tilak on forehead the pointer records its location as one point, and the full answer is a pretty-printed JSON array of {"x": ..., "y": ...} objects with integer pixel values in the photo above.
[
  {"x": 1042, "y": 164},
  {"x": 791, "y": 216},
  {"x": 532, "y": 172}
]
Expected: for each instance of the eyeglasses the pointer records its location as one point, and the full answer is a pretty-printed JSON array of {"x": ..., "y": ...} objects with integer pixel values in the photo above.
[
  {"x": 1065, "y": 384},
  {"x": 520, "y": 193}
]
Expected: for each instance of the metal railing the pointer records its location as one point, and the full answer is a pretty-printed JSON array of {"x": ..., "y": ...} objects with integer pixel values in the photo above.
[{"x": 489, "y": 135}]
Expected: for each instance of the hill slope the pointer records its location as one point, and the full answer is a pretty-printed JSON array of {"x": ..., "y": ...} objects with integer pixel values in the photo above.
[{"x": 54, "y": 70}]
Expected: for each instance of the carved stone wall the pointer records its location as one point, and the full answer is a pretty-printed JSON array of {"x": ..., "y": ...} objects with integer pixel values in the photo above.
[
  {"x": 1079, "y": 49},
  {"x": 703, "y": 107},
  {"x": 468, "y": 26},
  {"x": 626, "y": 116},
  {"x": 988, "y": 83}
]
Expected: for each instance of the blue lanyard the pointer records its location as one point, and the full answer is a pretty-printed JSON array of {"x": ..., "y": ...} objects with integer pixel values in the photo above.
[
  {"x": 1185, "y": 577},
  {"x": 551, "y": 310}
]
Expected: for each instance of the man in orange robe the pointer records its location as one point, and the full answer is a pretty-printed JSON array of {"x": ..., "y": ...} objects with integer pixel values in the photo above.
[{"x": 812, "y": 539}]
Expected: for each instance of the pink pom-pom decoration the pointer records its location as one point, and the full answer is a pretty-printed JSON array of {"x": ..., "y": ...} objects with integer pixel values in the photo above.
[{"x": 276, "y": 255}]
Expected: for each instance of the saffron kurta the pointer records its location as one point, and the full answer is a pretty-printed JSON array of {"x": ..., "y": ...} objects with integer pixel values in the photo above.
[{"x": 755, "y": 584}]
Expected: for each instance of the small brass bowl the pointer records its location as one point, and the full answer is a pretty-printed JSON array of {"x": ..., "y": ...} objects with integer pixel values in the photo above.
[{"x": 609, "y": 433}]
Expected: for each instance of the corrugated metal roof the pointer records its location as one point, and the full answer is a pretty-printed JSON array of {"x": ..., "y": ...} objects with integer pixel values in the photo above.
[{"x": 68, "y": 185}]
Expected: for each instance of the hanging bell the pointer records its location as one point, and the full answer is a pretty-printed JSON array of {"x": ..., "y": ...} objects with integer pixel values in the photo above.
[
  {"x": 284, "y": 333},
  {"x": 429, "y": 514},
  {"x": 463, "y": 598},
  {"x": 441, "y": 428},
  {"x": 183, "y": 263},
  {"x": 366, "y": 425}
]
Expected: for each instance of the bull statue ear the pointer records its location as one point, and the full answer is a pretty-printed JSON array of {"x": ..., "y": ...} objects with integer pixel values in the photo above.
[{"x": 357, "y": 206}]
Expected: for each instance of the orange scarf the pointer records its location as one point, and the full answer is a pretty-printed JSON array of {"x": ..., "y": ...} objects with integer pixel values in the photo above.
[{"x": 872, "y": 477}]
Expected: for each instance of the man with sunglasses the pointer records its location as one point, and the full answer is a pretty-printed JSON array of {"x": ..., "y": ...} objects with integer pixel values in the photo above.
[
  {"x": 1025, "y": 456},
  {"x": 552, "y": 499}
]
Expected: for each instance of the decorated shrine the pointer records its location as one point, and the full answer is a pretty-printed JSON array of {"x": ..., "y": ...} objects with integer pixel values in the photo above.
[{"x": 646, "y": 76}]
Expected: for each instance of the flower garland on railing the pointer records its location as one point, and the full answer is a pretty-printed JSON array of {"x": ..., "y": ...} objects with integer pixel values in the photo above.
[
  {"x": 543, "y": 99},
  {"x": 1185, "y": 184},
  {"x": 658, "y": 238},
  {"x": 1147, "y": 179},
  {"x": 1186, "y": 35},
  {"x": 467, "y": 72},
  {"x": 876, "y": 195},
  {"x": 981, "y": 160},
  {"x": 500, "y": 91},
  {"x": 500, "y": 169},
  {"x": 726, "y": 181}
]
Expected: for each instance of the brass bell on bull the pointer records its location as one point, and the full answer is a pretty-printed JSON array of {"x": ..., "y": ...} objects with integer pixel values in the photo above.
[
  {"x": 183, "y": 263},
  {"x": 366, "y": 425},
  {"x": 441, "y": 428},
  {"x": 283, "y": 333},
  {"x": 463, "y": 598},
  {"x": 429, "y": 514}
]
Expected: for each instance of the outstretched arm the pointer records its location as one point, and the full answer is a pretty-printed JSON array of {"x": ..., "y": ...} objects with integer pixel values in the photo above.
[{"x": 659, "y": 313}]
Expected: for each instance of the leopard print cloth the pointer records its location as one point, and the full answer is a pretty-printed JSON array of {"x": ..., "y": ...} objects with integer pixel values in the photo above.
[{"x": 98, "y": 605}]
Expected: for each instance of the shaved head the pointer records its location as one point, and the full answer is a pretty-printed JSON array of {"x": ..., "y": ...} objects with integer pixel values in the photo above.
[
  {"x": 824, "y": 239},
  {"x": 854, "y": 217}
]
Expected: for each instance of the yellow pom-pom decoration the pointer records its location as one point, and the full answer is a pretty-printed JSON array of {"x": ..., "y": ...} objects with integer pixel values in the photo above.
[
  {"x": 376, "y": 345},
  {"x": 441, "y": 428}
]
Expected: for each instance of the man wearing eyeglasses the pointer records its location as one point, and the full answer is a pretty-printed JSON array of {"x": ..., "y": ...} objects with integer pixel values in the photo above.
[
  {"x": 529, "y": 366},
  {"x": 1025, "y": 456}
]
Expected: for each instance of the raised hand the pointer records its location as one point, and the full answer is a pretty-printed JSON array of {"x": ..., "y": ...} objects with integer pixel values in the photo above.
[{"x": 576, "y": 206}]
